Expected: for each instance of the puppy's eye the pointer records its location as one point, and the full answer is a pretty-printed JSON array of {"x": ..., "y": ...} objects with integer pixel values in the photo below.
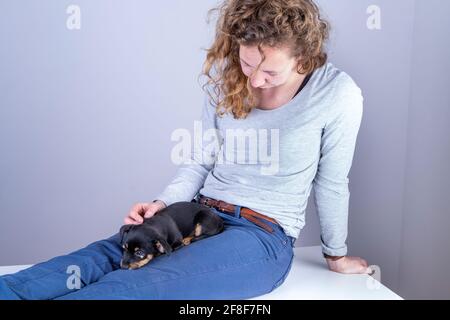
[{"x": 140, "y": 254}]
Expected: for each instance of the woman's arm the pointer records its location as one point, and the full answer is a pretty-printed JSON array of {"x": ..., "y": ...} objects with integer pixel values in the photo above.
[{"x": 331, "y": 181}]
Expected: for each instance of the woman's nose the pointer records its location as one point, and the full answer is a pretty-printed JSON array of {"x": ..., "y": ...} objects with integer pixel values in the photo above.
[{"x": 257, "y": 80}]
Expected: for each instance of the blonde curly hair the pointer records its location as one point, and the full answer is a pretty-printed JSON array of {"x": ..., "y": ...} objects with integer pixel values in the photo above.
[{"x": 274, "y": 23}]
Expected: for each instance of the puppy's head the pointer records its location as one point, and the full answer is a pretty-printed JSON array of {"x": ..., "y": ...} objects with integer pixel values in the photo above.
[{"x": 140, "y": 245}]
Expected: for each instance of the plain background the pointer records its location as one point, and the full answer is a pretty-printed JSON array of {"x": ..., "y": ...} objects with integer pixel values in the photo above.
[{"x": 86, "y": 117}]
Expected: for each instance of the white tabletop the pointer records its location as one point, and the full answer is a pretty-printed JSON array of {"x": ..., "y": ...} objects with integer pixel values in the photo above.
[
  {"x": 12, "y": 269},
  {"x": 310, "y": 278}
]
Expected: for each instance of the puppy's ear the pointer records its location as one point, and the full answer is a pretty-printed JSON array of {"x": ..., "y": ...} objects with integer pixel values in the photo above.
[
  {"x": 123, "y": 231},
  {"x": 163, "y": 247}
]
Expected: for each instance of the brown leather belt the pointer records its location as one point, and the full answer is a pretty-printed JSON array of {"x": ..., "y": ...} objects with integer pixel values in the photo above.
[{"x": 247, "y": 213}]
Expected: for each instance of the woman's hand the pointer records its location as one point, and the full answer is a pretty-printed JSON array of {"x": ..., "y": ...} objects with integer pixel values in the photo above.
[
  {"x": 142, "y": 210},
  {"x": 349, "y": 265}
]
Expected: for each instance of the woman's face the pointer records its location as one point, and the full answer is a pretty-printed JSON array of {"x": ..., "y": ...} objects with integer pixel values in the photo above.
[{"x": 276, "y": 70}]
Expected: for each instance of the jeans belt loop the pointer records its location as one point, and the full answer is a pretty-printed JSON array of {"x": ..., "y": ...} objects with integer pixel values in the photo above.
[{"x": 237, "y": 211}]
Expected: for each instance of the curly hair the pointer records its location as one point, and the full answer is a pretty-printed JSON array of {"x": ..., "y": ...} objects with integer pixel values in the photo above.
[{"x": 274, "y": 23}]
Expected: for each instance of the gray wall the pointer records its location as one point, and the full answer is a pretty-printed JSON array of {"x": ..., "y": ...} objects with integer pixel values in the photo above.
[
  {"x": 86, "y": 117},
  {"x": 425, "y": 254}
]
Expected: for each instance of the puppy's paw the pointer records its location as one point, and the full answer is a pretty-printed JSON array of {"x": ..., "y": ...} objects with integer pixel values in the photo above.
[{"x": 187, "y": 241}]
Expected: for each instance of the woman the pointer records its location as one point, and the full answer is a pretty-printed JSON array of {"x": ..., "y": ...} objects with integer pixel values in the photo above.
[{"x": 270, "y": 75}]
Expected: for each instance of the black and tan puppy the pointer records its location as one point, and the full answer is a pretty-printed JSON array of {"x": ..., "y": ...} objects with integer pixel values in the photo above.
[{"x": 170, "y": 228}]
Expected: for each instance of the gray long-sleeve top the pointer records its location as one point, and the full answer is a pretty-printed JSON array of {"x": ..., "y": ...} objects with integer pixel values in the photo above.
[{"x": 270, "y": 161}]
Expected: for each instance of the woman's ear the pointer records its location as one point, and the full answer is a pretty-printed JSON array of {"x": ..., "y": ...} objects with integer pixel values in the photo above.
[
  {"x": 299, "y": 65},
  {"x": 163, "y": 247}
]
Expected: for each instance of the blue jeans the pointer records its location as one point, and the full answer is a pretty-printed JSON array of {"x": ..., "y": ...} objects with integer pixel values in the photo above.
[{"x": 243, "y": 261}]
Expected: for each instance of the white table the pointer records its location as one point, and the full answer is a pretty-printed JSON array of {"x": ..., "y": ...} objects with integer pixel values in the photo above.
[{"x": 310, "y": 278}]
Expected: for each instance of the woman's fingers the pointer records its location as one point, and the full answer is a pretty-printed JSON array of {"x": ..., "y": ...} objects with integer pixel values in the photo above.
[
  {"x": 136, "y": 213},
  {"x": 364, "y": 263},
  {"x": 153, "y": 208},
  {"x": 128, "y": 220},
  {"x": 136, "y": 216},
  {"x": 150, "y": 212},
  {"x": 365, "y": 267}
]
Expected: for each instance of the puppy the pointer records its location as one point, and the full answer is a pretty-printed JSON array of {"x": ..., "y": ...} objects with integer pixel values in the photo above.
[{"x": 170, "y": 228}]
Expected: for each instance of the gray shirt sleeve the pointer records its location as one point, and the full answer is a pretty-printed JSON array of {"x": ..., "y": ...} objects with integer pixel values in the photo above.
[
  {"x": 192, "y": 173},
  {"x": 331, "y": 180}
]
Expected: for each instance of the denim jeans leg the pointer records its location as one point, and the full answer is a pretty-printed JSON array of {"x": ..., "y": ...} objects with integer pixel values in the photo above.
[
  {"x": 52, "y": 278},
  {"x": 243, "y": 261}
]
